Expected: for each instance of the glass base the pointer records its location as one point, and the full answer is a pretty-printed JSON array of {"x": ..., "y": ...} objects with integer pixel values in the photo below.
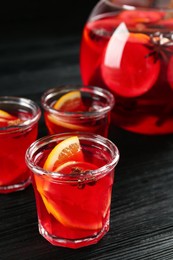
[
  {"x": 73, "y": 243},
  {"x": 15, "y": 187}
]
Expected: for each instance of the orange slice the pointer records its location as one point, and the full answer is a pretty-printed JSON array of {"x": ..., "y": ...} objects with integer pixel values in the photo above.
[
  {"x": 63, "y": 157},
  {"x": 5, "y": 115},
  {"x": 41, "y": 183},
  {"x": 69, "y": 102},
  {"x": 65, "y": 166},
  {"x": 63, "y": 208},
  {"x": 70, "y": 165},
  {"x": 57, "y": 121},
  {"x": 68, "y": 149},
  {"x": 7, "y": 119},
  {"x": 134, "y": 17},
  {"x": 66, "y": 216}
]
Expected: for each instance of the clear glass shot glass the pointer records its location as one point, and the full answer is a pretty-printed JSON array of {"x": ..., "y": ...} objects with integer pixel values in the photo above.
[
  {"x": 74, "y": 209},
  {"x": 18, "y": 129},
  {"x": 79, "y": 108}
]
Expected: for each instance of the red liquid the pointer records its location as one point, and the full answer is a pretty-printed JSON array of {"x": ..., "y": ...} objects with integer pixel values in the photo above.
[
  {"x": 82, "y": 123},
  {"x": 134, "y": 61},
  {"x": 14, "y": 173},
  {"x": 74, "y": 211}
]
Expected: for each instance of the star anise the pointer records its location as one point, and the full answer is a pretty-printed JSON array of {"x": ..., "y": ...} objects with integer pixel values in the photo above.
[
  {"x": 81, "y": 183},
  {"x": 159, "y": 46}
]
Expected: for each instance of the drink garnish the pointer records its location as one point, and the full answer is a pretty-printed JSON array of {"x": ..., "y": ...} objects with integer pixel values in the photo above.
[
  {"x": 7, "y": 119},
  {"x": 68, "y": 149},
  {"x": 69, "y": 102}
]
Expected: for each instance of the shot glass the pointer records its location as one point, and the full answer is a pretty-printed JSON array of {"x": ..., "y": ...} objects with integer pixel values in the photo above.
[
  {"x": 18, "y": 129},
  {"x": 74, "y": 209},
  {"x": 77, "y": 108}
]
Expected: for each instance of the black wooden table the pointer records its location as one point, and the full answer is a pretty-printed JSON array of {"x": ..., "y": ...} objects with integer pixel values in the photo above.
[{"x": 142, "y": 199}]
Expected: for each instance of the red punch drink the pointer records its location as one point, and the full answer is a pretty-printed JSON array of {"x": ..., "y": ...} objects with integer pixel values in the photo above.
[
  {"x": 71, "y": 108},
  {"x": 129, "y": 50},
  {"x": 72, "y": 179},
  {"x": 18, "y": 129}
]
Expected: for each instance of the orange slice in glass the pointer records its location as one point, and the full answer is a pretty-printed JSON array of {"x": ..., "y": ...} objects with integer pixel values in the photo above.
[
  {"x": 58, "y": 121},
  {"x": 134, "y": 17},
  {"x": 69, "y": 102},
  {"x": 68, "y": 152},
  {"x": 69, "y": 218},
  {"x": 63, "y": 206},
  {"x": 68, "y": 149},
  {"x": 79, "y": 210},
  {"x": 5, "y": 115},
  {"x": 7, "y": 119},
  {"x": 69, "y": 167}
]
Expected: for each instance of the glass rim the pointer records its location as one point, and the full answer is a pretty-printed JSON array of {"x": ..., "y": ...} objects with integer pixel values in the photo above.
[
  {"x": 60, "y": 177},
  {"x": 23, "y": 102},
  {"x": 127, "y": 6},
  {"x": 70, "y": 87}
]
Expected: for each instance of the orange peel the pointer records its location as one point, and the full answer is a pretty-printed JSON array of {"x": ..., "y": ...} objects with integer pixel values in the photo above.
[
  {"x": 68, "y": 149},
  {"x": 68, "y": 101}
]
